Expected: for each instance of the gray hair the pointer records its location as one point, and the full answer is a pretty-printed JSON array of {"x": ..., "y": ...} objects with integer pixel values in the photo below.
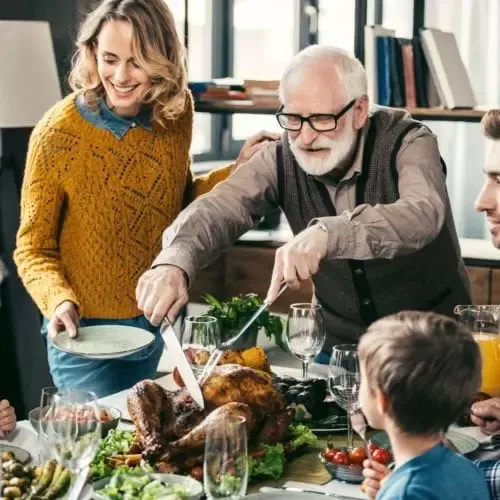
[{"x": 351, "y": 72}]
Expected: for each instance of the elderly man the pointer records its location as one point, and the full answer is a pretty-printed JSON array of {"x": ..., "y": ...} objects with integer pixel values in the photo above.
[{"x": 364, "y": 194}]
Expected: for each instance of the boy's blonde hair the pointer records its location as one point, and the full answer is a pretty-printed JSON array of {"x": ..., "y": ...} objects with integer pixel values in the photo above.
[
  {"x": 157, "y": 48},
  {"x": 427, "y": 365}
]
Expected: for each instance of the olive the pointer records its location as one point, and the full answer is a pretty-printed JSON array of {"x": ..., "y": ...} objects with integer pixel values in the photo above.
[
  {"x": 304, "y": 397},
  {"x": 16, "y": 469},
  {"x": 291, "y": 395},
  {"x": 29, "y": 471},
  {"x": 12, "y": 492},
  {"x": 21, "y": 482},
  {"x": 298, "y": 386},
  {"x": 7, "y": 456},
  {"x": 7, "y": 476},
  {"x": 282, "y": 387}
]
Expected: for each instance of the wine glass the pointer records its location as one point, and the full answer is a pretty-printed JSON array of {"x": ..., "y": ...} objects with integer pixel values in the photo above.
[
  {"x": 73, "y": 429},
  {"x": 46, "y": 398},
  {"x": 225, "y": 468},
  {"x": 344, "y": 380},
  {"x": 200, "y": 338},
  {"x": 305, "y": 334}
]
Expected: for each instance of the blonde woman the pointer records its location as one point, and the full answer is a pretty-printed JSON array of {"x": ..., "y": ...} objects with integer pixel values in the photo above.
[{"x": 108, "y": 169}]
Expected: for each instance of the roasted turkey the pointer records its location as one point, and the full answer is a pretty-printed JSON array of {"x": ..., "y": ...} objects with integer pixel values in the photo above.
[{"x": 169, "y": 424}]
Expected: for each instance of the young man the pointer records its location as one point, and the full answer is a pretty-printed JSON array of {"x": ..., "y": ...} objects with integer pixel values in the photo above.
[{"x": 418, "y": 372}]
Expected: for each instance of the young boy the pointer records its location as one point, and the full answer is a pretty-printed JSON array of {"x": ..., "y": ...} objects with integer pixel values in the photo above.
[{"x": 419, "y": 371}]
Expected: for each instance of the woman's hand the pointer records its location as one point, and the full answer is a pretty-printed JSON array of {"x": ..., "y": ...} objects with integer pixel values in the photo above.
[
  {"x": 65, "y": 318},
  {"x": 254, "y": 144},
  {"x": 7, "y": 418}
]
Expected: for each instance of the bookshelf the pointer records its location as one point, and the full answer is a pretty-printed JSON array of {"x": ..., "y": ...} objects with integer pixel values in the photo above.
[{"x": 248, "y": 107}]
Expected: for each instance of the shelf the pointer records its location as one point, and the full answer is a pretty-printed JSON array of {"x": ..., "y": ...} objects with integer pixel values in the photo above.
[{"x": 248, "y": 107}]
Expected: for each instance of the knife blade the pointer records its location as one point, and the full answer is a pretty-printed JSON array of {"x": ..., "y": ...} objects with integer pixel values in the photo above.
[{"x": 175, "y": 351}]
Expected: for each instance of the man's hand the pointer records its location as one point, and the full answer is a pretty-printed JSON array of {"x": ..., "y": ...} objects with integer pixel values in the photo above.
[
  {"x": 65, "y": 318},
  {"x": 254, "y": 144},
  {"x": 160, "y": 292},
  {"x": 486, "y": 414},
  {"x": 375, "y": 474},
  {"x": 298, "y": 260},
  {"x": 7, "y": 418}
]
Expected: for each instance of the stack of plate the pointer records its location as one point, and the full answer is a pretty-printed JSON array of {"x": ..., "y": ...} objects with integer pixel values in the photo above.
[{"x": 104, "y": 341}]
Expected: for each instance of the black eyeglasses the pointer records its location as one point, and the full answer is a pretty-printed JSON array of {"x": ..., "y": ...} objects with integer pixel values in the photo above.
[{"x": 320, "y": 122}]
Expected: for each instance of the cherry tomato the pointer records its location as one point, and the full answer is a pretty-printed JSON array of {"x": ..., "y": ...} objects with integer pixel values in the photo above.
[
  {"x": 372, "y": 447},
  {"x": 197, "y": 473},
  {"x": 341, "y": 458},
  {"x": 329, "y": 453},
  {"x": 382, "y": 456},
  {"x": 357, "y": 455}
]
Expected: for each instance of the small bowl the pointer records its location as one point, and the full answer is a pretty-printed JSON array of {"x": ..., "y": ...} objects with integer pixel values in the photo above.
[
  {"x": 347, "y": 473},
  {"x": 34, "y": 416},
  {"x": 195, "y": 487}
]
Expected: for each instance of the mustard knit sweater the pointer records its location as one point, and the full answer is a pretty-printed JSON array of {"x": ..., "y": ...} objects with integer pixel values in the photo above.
[{"x": 94, "y": 207}]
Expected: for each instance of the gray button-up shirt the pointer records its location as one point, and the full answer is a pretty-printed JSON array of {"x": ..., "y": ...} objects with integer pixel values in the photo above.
[{"x": 213, "y": 222}]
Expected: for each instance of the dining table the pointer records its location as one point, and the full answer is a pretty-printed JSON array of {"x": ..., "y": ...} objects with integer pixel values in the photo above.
[{"x": 302, "y": 472}]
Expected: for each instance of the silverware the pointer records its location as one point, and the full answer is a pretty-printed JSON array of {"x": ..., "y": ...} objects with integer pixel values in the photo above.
[
  {"x": 217, "y": 354},
  {"x": 269, "y": 489},
  {"x": 79, "y": 484},
  {"x": 177, "y": 354},
  {"x": 359, "y": 424}
]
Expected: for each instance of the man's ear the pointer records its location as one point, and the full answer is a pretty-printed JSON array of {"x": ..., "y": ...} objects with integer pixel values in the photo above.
[
  {"x": 382, "y": 401},
  {"x": 361, "y": 108}
]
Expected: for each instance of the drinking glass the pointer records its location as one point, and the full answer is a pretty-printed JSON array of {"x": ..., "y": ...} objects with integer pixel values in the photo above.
[
  {"x": 343, "y": 381},
  {"x": 73, "y": 428},
  {"x": 226, "y": 460},
  {"x": 305, "y": 334},
  {"x": 46, "y": 398},
  {"x": 200, "y": 338},
  {"x": 483, "y": 321}
]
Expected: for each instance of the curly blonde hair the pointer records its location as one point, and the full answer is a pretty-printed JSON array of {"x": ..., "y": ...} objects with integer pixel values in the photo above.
[{"x": 157, "y": 48}]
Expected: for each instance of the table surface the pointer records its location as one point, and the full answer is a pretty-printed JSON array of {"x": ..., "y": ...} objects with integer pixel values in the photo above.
[{"x": 25, "y": 437}]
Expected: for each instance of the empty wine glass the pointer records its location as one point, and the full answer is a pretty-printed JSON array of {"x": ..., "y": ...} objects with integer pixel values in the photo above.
[
  {"x": 200, "y": 338},
  {"x": 344, "y": 380},
  {"x": 225, "y": 468},
  {"x": 305, "y": 334},
  {"x": 46, "y": 398},
  {"x": 73, "y": 429}
]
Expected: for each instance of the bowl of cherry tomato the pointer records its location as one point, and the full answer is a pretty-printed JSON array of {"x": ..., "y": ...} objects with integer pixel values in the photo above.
[
  {"x": 346, "y": 464},
  {"x": 109, "y": 417}
]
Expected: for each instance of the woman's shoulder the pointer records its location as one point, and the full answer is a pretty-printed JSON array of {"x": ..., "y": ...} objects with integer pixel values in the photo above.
[{"x": 61, "y": 118}]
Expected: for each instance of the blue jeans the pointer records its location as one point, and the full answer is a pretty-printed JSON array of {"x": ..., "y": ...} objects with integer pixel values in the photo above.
[{"x": 106, "y": 376}]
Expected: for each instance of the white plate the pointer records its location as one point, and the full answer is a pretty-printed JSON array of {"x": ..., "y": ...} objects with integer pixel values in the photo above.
[{"x": 104, "y": 341}]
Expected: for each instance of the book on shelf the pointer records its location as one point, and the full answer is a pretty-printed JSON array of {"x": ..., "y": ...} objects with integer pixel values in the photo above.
[{"x": 447, "y": 68}]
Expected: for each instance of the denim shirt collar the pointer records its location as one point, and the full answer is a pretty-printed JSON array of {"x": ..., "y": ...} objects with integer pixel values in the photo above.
[{"x": 118, "y": 125}]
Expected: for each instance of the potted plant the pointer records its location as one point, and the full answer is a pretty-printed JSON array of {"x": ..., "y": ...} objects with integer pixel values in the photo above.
[{"x": 234, "y": 313}]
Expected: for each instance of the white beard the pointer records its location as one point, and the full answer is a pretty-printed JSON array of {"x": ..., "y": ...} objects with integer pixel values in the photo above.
[{"x": 340, "y": 148}]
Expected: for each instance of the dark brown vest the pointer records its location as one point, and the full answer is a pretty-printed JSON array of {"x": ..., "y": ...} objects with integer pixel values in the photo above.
[{"x": 355, "y": 293}]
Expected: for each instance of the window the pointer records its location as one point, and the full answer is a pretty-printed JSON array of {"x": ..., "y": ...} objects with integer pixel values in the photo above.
[
  {"x": 336, "y": 23},
  {"x": 262, "y": 49},
  {"x": 199, "y": 60}
]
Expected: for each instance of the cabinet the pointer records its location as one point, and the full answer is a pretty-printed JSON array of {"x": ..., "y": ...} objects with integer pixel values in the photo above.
[{"x": 245, "y": 269}]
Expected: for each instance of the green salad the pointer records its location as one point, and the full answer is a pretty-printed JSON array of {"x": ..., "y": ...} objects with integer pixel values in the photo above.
[
  {"x": 142, "y": 487},
  {"x": 117, "y": 442},
  {"x": 272, "y": 463}
]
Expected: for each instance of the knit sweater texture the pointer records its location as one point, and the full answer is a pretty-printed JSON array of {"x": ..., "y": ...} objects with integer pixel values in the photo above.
[{"x": 94, "y": 207}]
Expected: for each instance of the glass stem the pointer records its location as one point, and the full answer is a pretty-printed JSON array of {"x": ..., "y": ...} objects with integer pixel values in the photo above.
[
  {"x": 350, "y": 437},
  {"x": 305, "y": 366}
]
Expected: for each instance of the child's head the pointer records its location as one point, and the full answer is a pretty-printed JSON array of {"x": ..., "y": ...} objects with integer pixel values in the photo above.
[
  {"x": 129, "y": 51},
  {"x": 418, "y": 370}
]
